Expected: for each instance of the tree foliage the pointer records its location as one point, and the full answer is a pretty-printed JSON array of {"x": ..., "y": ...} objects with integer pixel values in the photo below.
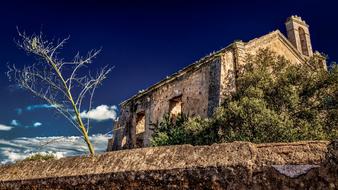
[{"x": 275, "y": 101}]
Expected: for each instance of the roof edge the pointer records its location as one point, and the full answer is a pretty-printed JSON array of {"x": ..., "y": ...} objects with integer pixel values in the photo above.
[{"x": 172, "y": 77}]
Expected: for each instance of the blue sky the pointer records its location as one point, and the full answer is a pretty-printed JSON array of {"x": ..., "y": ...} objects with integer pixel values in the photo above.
[{"x": 144, "y": 41}]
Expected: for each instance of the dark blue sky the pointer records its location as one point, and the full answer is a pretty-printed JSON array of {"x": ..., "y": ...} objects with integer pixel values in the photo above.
[{"x": 145, "y": 41}]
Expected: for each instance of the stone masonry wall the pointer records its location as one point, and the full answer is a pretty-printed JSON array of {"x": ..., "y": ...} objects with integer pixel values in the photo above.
[
  {"x": 194, "y": 88},
  {"x": 276, "y": 42},
  {"x": 199, "y": 91},
  {"x": 237, "y": 165}
]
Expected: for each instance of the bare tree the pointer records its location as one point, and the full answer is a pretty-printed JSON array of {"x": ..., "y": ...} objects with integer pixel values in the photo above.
[{"x": 61, "y": 83}]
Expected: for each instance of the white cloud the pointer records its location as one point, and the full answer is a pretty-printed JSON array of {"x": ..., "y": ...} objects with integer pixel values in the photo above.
[
  {"x": 33, "y": 107},
  {"x": 12, "y": 156},
  {"x": 15, "y": 122},
  {"x": 20, "y": 148},
  {"x": 101, "y": 113},
  {"x": 37, "y": 124},
  {"x": 40, "y": 106},
  {"x": 5, "y": 127}
]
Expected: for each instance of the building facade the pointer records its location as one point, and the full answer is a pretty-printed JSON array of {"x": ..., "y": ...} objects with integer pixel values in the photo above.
[{"x": 202, "y": 86}]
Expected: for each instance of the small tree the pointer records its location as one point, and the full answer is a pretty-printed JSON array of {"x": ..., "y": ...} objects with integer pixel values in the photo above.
[{"x": 60, "y": 83}]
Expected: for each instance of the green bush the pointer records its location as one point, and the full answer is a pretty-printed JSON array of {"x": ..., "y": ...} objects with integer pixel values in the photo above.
[
  {"x": 170, "y": 131},
  {"x": 183, "y": 130},
  {"x": 41, "y": 157},
  {"x": 275, "y": 101}
]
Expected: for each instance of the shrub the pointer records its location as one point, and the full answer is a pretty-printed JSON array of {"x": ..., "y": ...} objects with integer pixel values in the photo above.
[
  {"x": 170, "y": 131},
  {"x": 41, "y": 157}
]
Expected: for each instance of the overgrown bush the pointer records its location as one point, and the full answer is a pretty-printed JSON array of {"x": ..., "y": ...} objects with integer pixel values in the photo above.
[
  {"x": 170, "y": 131},
  {"x": 41, "y": 157},
  {"x": 275, "y": 101}
]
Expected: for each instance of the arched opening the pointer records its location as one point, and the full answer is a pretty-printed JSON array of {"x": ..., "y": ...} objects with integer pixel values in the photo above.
[{"x": 303, "y": 42}]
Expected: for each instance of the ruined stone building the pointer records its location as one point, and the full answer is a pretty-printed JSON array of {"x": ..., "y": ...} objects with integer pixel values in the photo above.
[{"x": 199, "y": 88}]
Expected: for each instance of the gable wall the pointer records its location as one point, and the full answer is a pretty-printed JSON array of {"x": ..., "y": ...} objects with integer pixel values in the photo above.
[{"x": 274, "y": 43}]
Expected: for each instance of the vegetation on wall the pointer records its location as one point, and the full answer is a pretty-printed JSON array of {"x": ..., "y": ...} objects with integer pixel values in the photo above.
[
  {"x": 40, "y": 157},
  {"x": 275, "y": 101}
]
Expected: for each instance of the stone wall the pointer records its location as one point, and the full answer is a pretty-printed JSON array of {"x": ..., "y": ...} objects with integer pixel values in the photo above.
[
  {"x": 198, "y": 88},
  {"x": 237, "y": 165},
  {"x": 276, "y": 42}
]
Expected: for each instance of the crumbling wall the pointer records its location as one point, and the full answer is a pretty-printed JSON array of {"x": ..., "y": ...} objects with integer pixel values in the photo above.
[
  {"x": 192, "y": 86},
  {"x": 198, "y": 89},
  {"x": 237, "y": 165}
]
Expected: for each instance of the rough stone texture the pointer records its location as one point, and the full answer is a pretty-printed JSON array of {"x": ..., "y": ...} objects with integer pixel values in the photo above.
[
  {"x": 195, "y": 87},
  {"x": 204, "y": 85},
  {"x": 237, "y": 165}
]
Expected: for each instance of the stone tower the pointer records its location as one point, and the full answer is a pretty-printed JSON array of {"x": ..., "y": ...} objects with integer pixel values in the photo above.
[{"x": 299, "y": 35}]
